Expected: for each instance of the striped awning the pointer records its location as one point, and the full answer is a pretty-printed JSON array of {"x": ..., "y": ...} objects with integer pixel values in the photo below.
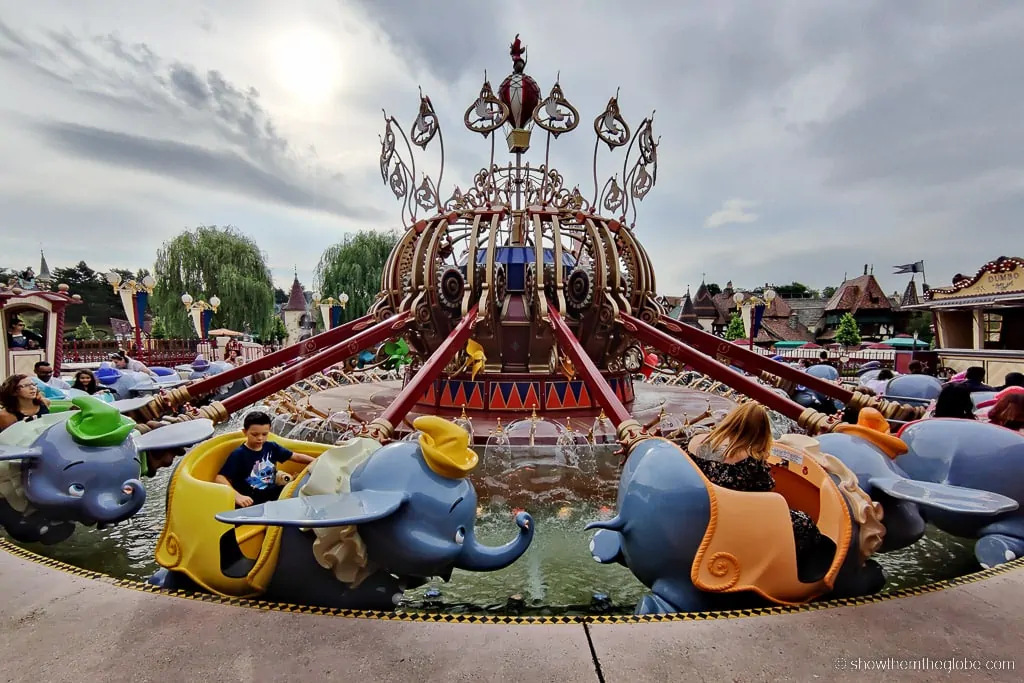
[{"x": 1008, "y": 299}]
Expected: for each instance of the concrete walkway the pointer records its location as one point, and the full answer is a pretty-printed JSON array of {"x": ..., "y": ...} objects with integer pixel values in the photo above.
[{"x": 55, "y": 626}]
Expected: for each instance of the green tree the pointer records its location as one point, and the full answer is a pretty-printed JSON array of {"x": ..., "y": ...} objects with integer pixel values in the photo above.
[
  {"x": 922, "y": 324},
  {"x": 278, "y": 330},
  {"x": 847, "y": 333},
  {"x": 713, "y": 288},
  {"x": 159, "y": 330},
  {"x": 211, "y": 261},
  {"x": 828, "y": 292},
  {"x": 84, "y": 331},
  {"x": 795, "y": 290},
  {"x": 735, "y": 329},
  {"x": 280, "y": 296},
  {"x": 354, "y": 266}
]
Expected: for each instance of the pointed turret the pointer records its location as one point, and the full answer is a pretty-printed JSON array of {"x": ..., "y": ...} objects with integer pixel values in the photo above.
[
  {"x": 44, "y": 270},
  {"x": 910, "y": 295},
  {"x": 297, "y": 298}
]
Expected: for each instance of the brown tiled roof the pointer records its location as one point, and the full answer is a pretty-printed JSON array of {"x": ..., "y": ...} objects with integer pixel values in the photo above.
[
  {"x": 861, "y": 292},
  {"x": 778, "y": 329},
  {"x": 297, "y": 298},
  {"x": 704, "y": 304}
]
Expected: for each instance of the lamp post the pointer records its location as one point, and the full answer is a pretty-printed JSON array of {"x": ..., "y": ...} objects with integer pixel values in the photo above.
[
  {"x": 201, "y": 312},
  {"x": 134, "y": 298},
  {"x": 750, "y": 306},
  {"x": 327, "y": 307}
]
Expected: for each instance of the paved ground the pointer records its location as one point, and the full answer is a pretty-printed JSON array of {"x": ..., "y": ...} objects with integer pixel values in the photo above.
[{"x": 59, "y": 627}]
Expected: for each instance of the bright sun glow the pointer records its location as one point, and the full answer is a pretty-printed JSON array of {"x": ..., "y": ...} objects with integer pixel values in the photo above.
[{"x": 308, "y": 63}]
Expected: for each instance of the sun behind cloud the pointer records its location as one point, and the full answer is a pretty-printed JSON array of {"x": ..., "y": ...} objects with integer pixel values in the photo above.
[{"x": 308, "y": 63}]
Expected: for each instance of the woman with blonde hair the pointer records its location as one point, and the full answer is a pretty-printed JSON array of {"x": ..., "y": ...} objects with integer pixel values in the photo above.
[{"x": 733, "y": 456}]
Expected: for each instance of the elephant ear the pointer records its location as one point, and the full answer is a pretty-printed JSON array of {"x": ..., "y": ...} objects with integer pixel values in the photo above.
[
  {"x": 175, "y": 435},
  {"x": 325, "y": 510},
  {"x": 127, "y": 405},
  {"x": 945, "y": 496},
  {"x": 19, "y": 453}
]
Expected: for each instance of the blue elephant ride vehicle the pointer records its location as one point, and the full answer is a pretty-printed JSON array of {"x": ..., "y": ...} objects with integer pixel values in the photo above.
[
  {"x": 702, "y": 547},
  {"x": 79, "y": 466},
  {"x": 352, "y": 530}
]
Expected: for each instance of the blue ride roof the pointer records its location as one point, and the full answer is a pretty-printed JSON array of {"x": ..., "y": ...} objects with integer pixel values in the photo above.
[{"x": 523, "y": 255}]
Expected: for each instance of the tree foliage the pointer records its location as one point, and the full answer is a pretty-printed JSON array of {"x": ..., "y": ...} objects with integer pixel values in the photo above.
[
  {"x": 828, "y": 292},
  {"x": 735, "y": 329},
  {"x": 796, "y": 290},
  {"x": 159, "y": 330},
  {"x": 278, "y": 330},
  {"x": 211, "y": 261},
  {"x": 848, "y": 333},
  {"x": 354, "y": 266},
  {"x": 84, "y": 331},
  {"x": 713, "y": 288}
]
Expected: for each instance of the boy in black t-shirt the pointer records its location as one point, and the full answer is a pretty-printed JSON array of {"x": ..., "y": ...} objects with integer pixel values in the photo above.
[{"x": 251, "y": 469}]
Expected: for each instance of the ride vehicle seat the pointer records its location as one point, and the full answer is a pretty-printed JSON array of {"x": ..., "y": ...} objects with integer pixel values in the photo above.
[
  {"x": 750, "y": 544},
  {"x": 193, "y": 540}
]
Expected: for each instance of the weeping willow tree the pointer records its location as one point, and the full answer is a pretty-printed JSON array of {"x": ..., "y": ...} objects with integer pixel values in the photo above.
[
  {"x": 354, "y": 266},
  {"x": 212, "y": 261}
]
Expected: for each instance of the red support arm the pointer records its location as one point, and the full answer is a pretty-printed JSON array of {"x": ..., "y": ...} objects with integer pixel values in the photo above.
[
  {"x": 595, "y": 381},
  {"x": 220, "y": 411},
  {"x": 730, "y": 353},
  {"x": 312, "y": 345},
  {"x": 808, "y": 418},
  {"x": 384, "y": 424}
]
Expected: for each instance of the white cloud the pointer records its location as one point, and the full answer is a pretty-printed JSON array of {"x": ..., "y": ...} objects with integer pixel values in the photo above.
[{"x": 732, "y": 211}]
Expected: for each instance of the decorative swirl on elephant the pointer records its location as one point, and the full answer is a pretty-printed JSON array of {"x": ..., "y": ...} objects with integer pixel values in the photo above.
[
  {"x": 555, "y": 114},
  {"x": 724, "y": 566},
  {"x": 173, "y": 548},
  {"x": 579, "y": 291},
  {"x": 867, "y": 512},
  {"x": 488, "y": 113},
  {"x": 450, "y": 286}
]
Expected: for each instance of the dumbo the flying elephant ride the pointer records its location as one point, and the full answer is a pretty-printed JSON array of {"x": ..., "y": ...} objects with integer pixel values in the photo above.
[
  {"x": 965, "y": 477},
  {"x": 701, "y": 547},
  {"x": 79, "y": 466},
  {"x": 361, "y": 524}
]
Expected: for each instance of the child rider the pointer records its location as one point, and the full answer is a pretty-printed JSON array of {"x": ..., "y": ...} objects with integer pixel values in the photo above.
[{"x": 251, "y": 469}]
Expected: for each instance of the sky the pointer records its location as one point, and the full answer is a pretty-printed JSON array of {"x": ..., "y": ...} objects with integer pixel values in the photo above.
[{"x": 800, "y": 140}]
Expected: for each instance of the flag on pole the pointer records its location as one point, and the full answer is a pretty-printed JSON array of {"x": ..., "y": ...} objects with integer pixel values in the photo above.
[{"x": 909, "y": 268}]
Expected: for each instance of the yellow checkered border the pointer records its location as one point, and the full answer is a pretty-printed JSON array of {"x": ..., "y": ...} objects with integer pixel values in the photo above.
[{"x": 434, "y": 617}]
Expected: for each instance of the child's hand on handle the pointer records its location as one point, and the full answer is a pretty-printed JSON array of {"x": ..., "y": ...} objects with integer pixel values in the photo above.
[{"x": 242, "y": 501}]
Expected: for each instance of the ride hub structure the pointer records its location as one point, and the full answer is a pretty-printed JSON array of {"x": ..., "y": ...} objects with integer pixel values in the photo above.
[{"x": 521, "y": 294}]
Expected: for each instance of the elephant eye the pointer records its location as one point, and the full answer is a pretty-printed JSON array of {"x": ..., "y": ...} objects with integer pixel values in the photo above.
[
  {"x": 460, "y": 535},
  {"x": 76, "y": 490}
]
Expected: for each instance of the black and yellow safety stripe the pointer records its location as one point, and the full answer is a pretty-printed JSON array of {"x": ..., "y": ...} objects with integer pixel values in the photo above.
[{"x": 443, "y": 618}]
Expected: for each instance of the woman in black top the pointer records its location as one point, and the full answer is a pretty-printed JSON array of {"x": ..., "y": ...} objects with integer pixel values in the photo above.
[
  {"x": 733, "y": 457},
  {"x": 21, "y": 401}
]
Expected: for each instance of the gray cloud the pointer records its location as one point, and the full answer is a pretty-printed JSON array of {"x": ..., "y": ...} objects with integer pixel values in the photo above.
[
  {"x": 432, "y": 36},
  {"x": 188, "y": 163},
  {"x": 254, "y": 158}
]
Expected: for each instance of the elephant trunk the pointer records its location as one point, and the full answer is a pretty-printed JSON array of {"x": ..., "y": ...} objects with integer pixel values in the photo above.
[
  {"x": 111, "y": 507},
  {"x": 482, "y": 558}
]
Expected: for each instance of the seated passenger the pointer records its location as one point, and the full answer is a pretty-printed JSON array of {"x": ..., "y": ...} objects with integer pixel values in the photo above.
[
  {"x": 954, "y": 401},
  {"x": 733, "y": 456},
  {"x": 251, "y": 469},
  {"x": 1008, "y": 410}
]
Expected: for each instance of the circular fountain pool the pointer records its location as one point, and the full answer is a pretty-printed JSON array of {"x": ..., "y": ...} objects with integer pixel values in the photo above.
[{"x": 555, "y": 576}]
